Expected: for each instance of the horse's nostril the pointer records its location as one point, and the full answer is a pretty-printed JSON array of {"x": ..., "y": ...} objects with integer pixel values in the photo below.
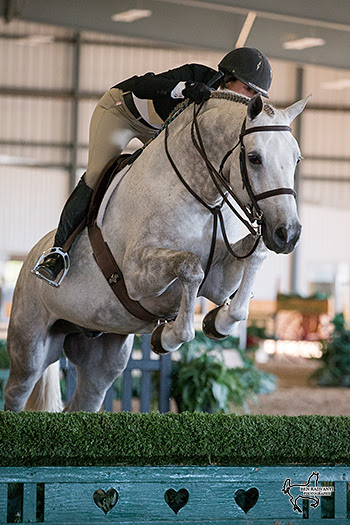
[{"x": 280, "y": 235}]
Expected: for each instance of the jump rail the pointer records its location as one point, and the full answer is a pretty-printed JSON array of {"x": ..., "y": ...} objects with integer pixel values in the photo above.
[
  {"x": 164, "y": 495},
  {"x": 173, "y": 468}
]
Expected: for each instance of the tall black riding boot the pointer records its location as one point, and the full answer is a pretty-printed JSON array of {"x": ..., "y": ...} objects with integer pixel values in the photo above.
[{"x": 73, "y": 213}]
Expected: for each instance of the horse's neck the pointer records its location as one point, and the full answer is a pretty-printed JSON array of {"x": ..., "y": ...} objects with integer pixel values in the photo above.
[
  {"x": 153, "y": 171},
  {"x": 219, "y": 127}
]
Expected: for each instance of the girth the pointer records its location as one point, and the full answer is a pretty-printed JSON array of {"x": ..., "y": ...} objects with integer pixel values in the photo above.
[{"x": 108, "y": 266}]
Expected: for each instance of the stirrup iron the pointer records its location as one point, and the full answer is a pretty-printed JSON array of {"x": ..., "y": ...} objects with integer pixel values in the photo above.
[{"x": 66, "y": 264}]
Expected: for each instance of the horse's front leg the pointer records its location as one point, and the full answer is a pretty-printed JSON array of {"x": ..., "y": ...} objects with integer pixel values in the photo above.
[
  {"x": 151, "y": 275},
  {"x": 220, "y": 322}
]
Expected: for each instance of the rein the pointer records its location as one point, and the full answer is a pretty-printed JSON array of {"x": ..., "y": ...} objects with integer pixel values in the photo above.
[{"x": 253, "y": 212}]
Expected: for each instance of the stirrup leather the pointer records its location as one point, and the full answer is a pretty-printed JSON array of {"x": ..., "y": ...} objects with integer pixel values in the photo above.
[{"x": 66, "y": 264}]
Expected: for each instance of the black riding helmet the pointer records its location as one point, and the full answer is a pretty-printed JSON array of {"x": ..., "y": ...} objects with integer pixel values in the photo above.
[{"x": 250, "y": 66}]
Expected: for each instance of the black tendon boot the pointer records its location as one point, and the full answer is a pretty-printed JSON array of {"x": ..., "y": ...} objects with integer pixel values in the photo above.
[{"x": 73, "y": 213}]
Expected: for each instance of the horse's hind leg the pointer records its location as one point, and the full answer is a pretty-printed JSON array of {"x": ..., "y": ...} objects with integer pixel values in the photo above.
[
  {"x": 98, "y": 362},
  {"x": 29, "y": 358},
  {"x": 30, "y": 348},
  {"x": 25, "y": 371}
]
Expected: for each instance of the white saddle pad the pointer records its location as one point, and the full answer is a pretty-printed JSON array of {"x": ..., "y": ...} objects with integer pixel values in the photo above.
[{"x": 112, "y": 187}]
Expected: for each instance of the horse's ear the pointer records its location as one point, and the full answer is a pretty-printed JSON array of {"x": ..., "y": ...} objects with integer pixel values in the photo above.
[
  {"x": 255, "y": 106},
  {"x": 295, "y": 109}
]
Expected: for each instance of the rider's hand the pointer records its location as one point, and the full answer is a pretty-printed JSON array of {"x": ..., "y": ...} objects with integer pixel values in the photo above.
[{"x": 196, "y": 91}]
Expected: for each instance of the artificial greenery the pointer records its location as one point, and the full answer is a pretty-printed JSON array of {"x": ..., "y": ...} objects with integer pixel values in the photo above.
[
  {"x": 335, "y": 359},
  {"x": 84, "y": 439},
  {"x": 202, "y": 382}
]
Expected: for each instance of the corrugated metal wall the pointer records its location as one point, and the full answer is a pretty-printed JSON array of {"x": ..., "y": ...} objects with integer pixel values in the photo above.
[
  {"x": 325, "y": 176},
  {"x": 30, "y": 204},
  {"x": 36, "y": 108},
  {"x": 33, "y": 175}
]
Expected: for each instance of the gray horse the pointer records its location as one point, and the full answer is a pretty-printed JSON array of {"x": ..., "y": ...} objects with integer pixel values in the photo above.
[{"x": 160, "y": 235}]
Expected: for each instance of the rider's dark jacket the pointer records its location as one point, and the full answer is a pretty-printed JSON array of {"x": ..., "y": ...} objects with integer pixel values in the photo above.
[{"x": 158, "y": 88}]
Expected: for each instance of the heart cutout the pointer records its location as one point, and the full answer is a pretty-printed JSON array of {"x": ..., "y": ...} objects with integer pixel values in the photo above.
[
  {"x": 247, "y": 499},
  {"x": 106, "y": 500},
  {"x": 176, "y": 499}
]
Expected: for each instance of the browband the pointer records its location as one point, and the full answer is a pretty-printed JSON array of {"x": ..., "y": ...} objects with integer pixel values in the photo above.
[{"x": 264, "y": 128}]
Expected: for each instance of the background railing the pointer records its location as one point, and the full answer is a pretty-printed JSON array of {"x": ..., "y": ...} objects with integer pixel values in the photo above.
[{"x": 146, "y": 366}]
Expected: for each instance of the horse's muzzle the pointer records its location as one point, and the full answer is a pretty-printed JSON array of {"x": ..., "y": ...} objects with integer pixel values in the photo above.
[{"x": 283, "y": 239}]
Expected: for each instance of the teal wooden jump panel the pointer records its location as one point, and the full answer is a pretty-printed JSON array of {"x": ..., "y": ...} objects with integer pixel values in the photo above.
[{"x": 167, "y": 495}]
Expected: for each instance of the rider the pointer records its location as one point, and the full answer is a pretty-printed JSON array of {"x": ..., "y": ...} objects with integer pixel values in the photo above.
[{"x": 138, "y": 107}]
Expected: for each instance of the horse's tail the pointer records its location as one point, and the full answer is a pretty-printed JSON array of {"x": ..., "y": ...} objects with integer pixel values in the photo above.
[{"x": 46, "y": 395}]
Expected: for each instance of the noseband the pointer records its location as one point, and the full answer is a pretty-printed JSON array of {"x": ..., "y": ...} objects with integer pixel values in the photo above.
[{"x": 253, "y": 212}]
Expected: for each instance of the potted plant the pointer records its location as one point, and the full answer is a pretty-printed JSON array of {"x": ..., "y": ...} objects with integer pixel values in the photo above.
[
  {"x": 335, "y": 359},
  {"x": 202, "y": 382}
]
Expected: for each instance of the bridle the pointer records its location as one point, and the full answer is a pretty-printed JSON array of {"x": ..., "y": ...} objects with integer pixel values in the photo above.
[{"x": 253, "y": 212}]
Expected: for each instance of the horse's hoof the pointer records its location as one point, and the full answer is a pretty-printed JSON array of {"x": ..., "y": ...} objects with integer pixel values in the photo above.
[
  {"x": 208, "y": 325},
  {"x": 155, "y": 341}
]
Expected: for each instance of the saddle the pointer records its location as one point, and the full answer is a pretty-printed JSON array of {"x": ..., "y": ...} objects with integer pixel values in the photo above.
[
  {"x": 102, "y": 254},
  {"x": 111, "y": 169}
]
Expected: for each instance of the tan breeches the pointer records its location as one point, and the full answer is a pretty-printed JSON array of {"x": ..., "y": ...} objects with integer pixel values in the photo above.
[{"x": 112, "y": 127}]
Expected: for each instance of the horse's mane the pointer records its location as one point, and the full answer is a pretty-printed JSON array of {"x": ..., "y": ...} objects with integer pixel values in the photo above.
[
  {"x": 230, "y": 95},
  {"x": 235, "y": 97},
  {"x": 222, "y": 94}
]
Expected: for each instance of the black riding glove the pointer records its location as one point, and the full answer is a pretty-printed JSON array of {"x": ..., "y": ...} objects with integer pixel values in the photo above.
[{"x": 196, "y": 91}]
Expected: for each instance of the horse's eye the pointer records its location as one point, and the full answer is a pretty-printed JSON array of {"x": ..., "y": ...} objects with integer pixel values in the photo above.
[{"x": 254, "y": 159}]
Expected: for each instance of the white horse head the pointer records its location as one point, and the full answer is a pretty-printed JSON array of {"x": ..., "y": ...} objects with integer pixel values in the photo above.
[{"x": 271, "y": 157}]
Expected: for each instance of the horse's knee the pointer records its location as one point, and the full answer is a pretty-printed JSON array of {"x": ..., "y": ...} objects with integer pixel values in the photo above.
[
  {"x": 160, "y": 270},
  {"x": 190, "y": 269}
]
